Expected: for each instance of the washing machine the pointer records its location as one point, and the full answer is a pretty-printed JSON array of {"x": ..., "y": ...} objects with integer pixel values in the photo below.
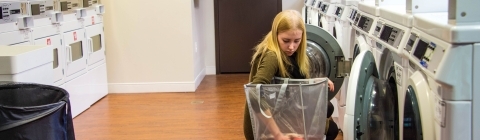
[
  {"x": 325, "y": 56},
  {"x": 15, "y": 23},
  {"x": 391, "y": 35},
  {"x": 371, "y": 107},
  {"x": 340, "y": 31},
  {"x": 446, "y": 51}
]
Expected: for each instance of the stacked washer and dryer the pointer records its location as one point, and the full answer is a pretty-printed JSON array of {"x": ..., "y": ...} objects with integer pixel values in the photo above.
[{"x": 74, "y": 30}]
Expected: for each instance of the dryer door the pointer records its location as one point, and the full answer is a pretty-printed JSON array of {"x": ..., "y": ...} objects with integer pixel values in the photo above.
[
  {"x": 418, "y": 119},
  {"x": 371, "y": 107},
  {"x": 325, "y": 55},
  {"x": 96, "y": 43}
]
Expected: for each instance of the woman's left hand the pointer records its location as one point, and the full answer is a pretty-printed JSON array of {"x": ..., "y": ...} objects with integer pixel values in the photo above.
[{"x": 330, "y": 85}]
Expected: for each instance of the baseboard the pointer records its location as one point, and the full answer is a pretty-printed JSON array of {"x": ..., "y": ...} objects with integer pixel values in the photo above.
[
  {"x": 152, "y": 87},
  {"x": 199, "y": 78},
  {"x": 211, "y": 70}
]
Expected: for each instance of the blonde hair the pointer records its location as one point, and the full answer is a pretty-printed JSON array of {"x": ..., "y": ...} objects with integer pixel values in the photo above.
[{"x": 284, "y": 21}]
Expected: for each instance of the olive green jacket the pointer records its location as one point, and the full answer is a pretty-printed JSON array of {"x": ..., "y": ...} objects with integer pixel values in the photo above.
[{"x": 264, "y": 68}]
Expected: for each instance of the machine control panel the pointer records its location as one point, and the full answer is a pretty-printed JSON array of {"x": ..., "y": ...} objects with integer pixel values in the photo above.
[
  {"x": 410, "y": 42},
  {"x": 324, "y": 8},
  {"x": 319, "y": 6},
  {"x": 68, "y": 5},
  {"x": 353, "y": 14},
  {"x": 40, "y": 7},
  {"x": 388, "y": 34},
  {"x": 364, "y": 23},
  {"x": 356, "y": 18},
  {"x": 10, "y": 11},
  {"x": 428, "y": 54},
  {"x": 338, "y": 12}
]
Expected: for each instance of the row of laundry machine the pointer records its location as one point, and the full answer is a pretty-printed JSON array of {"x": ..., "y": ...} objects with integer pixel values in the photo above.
[
  {"x": 403, "y": 69},
  {"x": 73, "y": 33}
]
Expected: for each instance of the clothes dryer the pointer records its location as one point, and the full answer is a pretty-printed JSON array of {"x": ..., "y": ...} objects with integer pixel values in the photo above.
[{"x": 46, "y": 31}]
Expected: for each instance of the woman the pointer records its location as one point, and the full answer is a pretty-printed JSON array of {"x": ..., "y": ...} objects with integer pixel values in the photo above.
[{"x": 282, "y": 53}]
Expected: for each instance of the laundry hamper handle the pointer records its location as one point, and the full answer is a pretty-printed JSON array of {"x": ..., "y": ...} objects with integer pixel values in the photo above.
[{"x": 283, "y": 88}]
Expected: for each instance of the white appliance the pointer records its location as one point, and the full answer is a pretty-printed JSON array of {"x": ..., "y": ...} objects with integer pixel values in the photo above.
[
  {"x": 83, "y": 39},
  {"x": 446, "y": 50},
  {"x": 392, "y": 35},
  {"x": 76, "y": 41},
  {"x": 97, "y": 67},
  {"x": 366, "y": 91},
  {"x": 359, "y": 34},
  {"x": 73, "y": 35},
  {"x": 341, "y": 31},
  {"x": 326, "y": 57},
  {"x": 46, "y": 31},
  {"x": 14, "y": 23},
  {"x": 26, "y": 64}
]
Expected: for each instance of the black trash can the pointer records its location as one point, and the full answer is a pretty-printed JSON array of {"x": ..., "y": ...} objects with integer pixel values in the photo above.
[{"x": 34, "y": 112}]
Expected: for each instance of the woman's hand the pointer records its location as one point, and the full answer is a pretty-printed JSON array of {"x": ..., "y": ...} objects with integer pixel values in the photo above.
[
  {"x": 331, "y": 87},
  {"x": 280, "y": 136}
]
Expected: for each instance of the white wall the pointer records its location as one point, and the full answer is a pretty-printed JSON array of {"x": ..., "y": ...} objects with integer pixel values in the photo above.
[
  {"x": 292, "y": 4},
  {"x": 207, "y": 41},
  {"x": 152, "y": 51},
  {"x": 168, "y": 49}
]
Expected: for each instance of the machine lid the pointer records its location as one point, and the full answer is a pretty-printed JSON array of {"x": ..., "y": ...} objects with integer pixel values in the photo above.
[
  {"x": 324, "y": 53},
  {"x": 418, "y": 118},
  {"x": 376, "y": 107}
]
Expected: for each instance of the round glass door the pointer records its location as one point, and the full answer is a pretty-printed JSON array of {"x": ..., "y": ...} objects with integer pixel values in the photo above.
[
  {"x": 412, "y": 123},
  {"x": 376, "y": 108},
  {"x": 325, "y": 54},
  {"x": 319, "y": 62}
]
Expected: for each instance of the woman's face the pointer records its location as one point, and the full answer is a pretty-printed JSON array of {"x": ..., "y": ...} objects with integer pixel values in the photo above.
[{"x": 290, "y": 40}]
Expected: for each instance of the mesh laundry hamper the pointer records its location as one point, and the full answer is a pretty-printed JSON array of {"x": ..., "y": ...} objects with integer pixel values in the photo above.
[
  {"x": 34, "y": 112},
  {"x": 297, "y": 106}
]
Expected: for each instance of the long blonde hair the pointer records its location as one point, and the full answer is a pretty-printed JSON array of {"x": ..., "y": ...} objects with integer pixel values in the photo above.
[{"x": 284, "y": 21}]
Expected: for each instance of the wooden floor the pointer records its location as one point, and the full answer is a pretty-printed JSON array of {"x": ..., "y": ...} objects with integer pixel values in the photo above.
[{"x": 213, "y": 112}]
